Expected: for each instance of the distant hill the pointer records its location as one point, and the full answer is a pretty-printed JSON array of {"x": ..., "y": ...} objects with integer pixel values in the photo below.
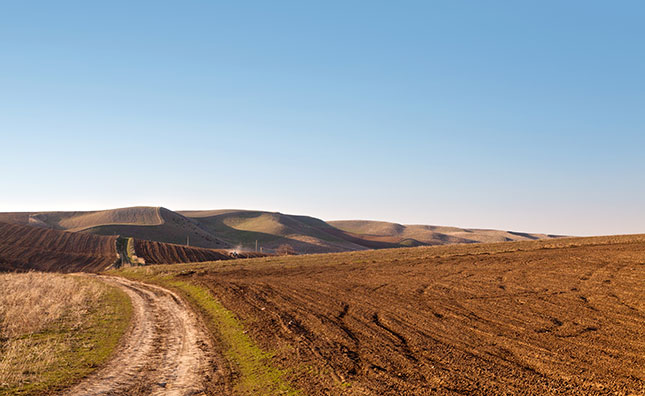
[
  {"x": 148, "y": 223},
  {"x": 242, "y": 229},
  {"x": 415, "y": 235},
  {"x": 27, "y": 247},
  {"x": 79, "y": 221}
]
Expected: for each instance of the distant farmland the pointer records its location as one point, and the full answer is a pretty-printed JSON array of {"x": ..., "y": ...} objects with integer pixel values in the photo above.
[
  {"x": 251, "y": 229},
  {"x": 32, "y": 248},
  {"x": 548, "y": 317},
  {"x": 167, "y": 253},
  {"x": 25, "y": 248}
]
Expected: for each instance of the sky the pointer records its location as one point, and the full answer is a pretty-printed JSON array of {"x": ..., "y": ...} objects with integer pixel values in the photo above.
[{"x": 517, "y": 115}]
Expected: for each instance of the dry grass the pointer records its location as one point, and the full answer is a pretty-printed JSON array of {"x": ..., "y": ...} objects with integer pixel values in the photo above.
[
  {"x": 48, "y": 329},
  {"x": 31, "y": 302}
]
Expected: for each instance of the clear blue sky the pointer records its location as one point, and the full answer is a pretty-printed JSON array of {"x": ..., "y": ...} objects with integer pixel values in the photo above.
[{"x": 522, "y": 115}]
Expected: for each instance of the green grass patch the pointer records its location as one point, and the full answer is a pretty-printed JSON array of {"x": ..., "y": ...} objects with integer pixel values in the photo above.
[
  {"x": 257, "y": 375},
  {"x": 130, "y": 249}
]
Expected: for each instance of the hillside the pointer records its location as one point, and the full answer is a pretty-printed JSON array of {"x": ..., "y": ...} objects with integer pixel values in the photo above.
[
  {"x": 173, "y": 228},
  {"x": 310, "y": 235},
  {"x": 26, "y": 248},
  {"x": 79, "y": 221},
  {"x": 244, "y": 227},
  {"x": 148, "y": 223},
  {"x": 415, "y": 235},
  {"x": 153, "y": 252},
  {"x": 240, "y": 229},
  {"x": 32, "y": 248}
]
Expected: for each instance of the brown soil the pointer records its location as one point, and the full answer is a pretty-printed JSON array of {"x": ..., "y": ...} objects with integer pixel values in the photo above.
[
  {"x": 529, "y": 318},
  {"x": 24, "y": 248},
  {"x": 166, "y": 351},
  {"x": 32, "y": 248},
  {"x": 168, "y": 253}
]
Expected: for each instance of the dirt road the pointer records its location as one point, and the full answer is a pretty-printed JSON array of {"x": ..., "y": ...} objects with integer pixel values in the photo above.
[{"x": 165, "y": 353}]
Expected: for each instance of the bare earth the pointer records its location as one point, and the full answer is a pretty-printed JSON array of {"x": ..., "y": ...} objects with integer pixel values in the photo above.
[
  {"x": 165, "y": 353},
  {"x": 549, "y": 317}
]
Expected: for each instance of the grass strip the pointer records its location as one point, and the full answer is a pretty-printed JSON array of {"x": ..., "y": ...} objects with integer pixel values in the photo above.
[{"x": 257, "y": 376}]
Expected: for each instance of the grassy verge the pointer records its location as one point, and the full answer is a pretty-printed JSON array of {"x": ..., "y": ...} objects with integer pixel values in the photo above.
[
  {"x": 56, "y": 329},
  {"x": 256, "y": 374},
  {"x": 130, "y": 249}
]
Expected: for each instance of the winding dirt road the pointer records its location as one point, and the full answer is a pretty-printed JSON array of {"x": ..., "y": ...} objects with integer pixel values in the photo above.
[{"x": 166, "y": 351}]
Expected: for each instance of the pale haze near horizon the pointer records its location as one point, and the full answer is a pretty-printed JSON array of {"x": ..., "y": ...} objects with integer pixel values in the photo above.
[{"x": 497, "y": 115}]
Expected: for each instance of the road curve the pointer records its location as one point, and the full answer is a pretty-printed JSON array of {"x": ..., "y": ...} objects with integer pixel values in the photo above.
[{"x": 165, "y": 352}]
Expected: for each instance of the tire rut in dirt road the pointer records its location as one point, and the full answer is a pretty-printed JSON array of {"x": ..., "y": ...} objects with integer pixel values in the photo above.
[{"x": 166, "y": 351}]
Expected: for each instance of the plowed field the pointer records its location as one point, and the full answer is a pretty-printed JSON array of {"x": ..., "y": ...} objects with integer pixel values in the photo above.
[
  {"x": 33, "y": 248},
  {"x": 540, "y": 318},
  {"x": 167, "y": 253}
]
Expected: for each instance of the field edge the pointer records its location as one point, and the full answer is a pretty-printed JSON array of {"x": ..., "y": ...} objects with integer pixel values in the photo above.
[{"x": 250, "y": 367}]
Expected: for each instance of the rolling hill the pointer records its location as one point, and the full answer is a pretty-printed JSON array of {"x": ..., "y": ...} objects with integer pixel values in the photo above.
[
  {"x": 416, "y": 235},
  {"x": 148, "y": 223},
  {"x": 242, "y": 229},
  {"x": 24, "y": 247},
  {"x": 27, "y": 247}
]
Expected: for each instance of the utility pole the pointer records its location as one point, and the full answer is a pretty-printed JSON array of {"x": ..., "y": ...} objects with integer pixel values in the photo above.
[
  {"x": 187, "y": 240},
  {"x": 256, "y": 245}
]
